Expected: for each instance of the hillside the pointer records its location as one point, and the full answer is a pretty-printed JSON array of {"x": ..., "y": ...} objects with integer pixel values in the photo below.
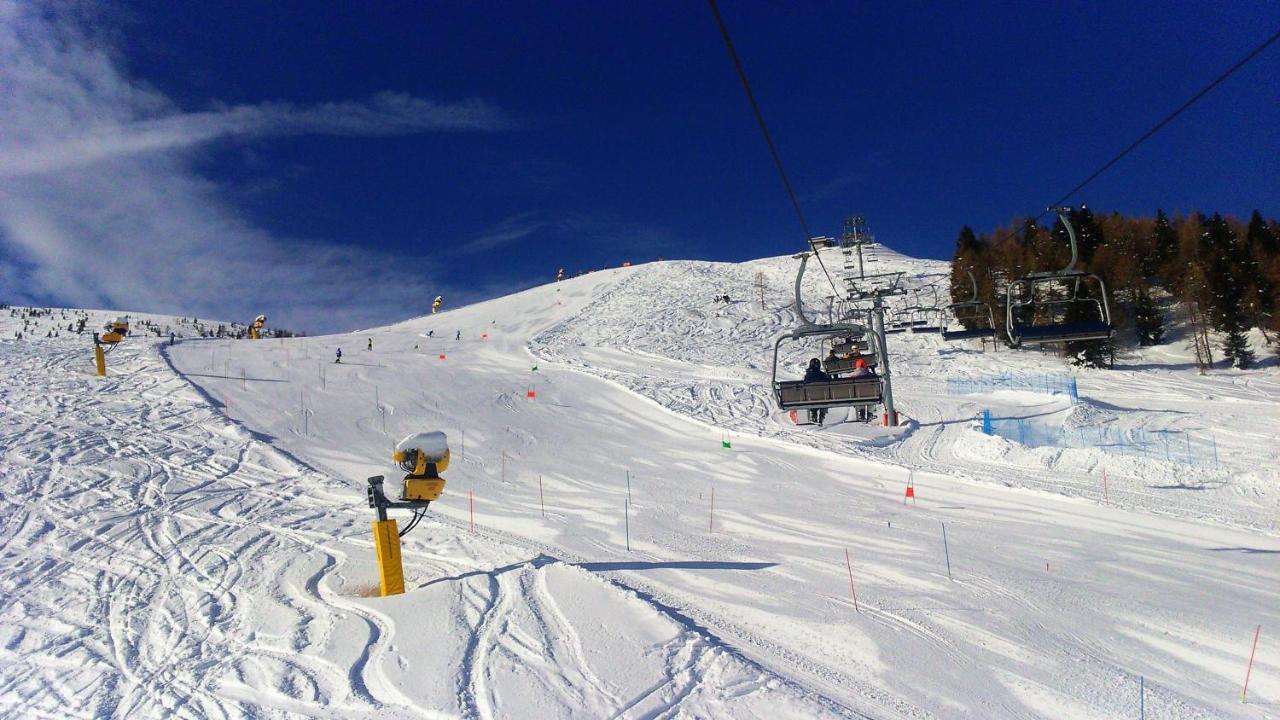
[{"x": 204, "y": 507}]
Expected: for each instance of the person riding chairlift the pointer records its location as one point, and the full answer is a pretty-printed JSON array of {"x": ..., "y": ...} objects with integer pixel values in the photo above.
[
  {"x": 861, "y": 368},
  {"x": 815, "y": 374}
]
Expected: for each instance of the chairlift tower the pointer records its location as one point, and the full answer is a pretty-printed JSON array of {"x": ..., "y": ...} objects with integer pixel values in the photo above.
[
  {"x": 875, "y": 288},
  {"x": 852, "y": 240}
]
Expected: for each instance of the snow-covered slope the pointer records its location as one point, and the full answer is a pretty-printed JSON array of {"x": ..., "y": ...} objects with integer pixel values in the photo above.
[{"x": 623, "y": 563}]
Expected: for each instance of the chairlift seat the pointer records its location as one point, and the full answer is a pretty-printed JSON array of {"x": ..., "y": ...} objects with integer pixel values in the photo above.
[
  {"x": 838, "y": 392},
  {"x": 1065, "y": 332},
  {"x": 976, "y": 333}
]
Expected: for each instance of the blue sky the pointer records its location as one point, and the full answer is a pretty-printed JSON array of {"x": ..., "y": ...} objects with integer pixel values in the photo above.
[{"x": 337, "y": 165}]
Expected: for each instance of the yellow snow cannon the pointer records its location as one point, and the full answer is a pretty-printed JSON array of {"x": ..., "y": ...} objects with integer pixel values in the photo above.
[
  {"x": 255, "y": 330},
  {"x": 435, "y": 304},
  {"x": 110, "y": 338},
  {"x": 423, "y": 456}
]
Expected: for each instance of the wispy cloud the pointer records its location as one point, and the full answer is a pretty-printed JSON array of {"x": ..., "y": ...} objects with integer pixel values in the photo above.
[
  {"x": 504, "y": 233},
  {"x": 384, "y": 114},
  {"x": 100, "y": 203}
]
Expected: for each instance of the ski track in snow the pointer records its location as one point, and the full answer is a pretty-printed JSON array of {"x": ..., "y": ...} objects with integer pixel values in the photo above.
[{"x": 164, "y": 554}]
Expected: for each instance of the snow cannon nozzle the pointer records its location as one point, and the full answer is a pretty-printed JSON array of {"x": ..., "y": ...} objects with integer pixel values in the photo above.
[{"x": 423, "y": 456}]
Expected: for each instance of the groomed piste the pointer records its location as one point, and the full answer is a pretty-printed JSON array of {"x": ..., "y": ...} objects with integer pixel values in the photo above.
[{"x": 630, "y": 526}]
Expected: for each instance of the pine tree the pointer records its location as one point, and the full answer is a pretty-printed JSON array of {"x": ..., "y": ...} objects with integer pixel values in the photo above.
[
  {"x": 1165, "y": 241},
  {"x": 1264, "y": 255},
  {"x": 969, "y": 255},
  {"x": 1228, "y": 274},
  {"x": 1148, "y": 318},
  {"x": 1260, "y": 237}
]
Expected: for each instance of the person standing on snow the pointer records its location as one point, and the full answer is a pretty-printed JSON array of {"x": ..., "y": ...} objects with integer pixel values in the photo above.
[
  {"x": 339, "y": 358},
  {"x": 370, "y": 343},
  {"x": 458, "y": 336}
]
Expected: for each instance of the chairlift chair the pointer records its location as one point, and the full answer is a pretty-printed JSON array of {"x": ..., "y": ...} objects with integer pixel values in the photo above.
[
  {"x": 972, "y": 311},
  {"x": 841, "y": 360},
  {"x": 1025, "y": 306},
  {"x": 837, "y": 392},
  {"x": 926, "y": 320},
  {"x": 901, "y": 321},
  {"x": 833, "y": 393}
]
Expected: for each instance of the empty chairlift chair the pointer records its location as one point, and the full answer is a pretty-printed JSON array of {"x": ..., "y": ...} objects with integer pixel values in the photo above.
[
  {"x": 974, "y": 317},
  {"x": 926, "y": 320},
  {"x": 1059, "y": 305}
]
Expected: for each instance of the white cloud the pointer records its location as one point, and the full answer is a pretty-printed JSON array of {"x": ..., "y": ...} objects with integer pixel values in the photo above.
[
  {"x": 504, "y": 232},
  {"x": 100, "y": 205}
]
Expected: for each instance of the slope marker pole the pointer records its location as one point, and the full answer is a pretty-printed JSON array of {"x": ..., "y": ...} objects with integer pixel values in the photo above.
[
  {"x": 712, "y": 520},
  {"x": 626, "y": 514},
  {"x": 946, "y": 550},
  {"x": 852, "y": 591},
  {"x": 1142, "y": 698},
  {"x": 1244, "y": 694},
  {"x": 542, "y": 500},
  {"x": 471, "y": 503}
]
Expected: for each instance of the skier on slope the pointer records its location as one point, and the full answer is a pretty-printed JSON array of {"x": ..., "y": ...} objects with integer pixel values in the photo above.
[
  {"x": 370, "y": 343},
  {"x": 339, "y": 359},
  {"x": 815, "y": 374}
]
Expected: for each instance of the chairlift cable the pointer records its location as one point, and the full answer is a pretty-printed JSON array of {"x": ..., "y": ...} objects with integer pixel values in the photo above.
[
  {"x": 768, "y": 139},
  {"x": 1167, "y": 119}
]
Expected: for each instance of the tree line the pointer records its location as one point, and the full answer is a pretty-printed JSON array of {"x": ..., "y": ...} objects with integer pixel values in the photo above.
[{"x": 1222, "y": 275}]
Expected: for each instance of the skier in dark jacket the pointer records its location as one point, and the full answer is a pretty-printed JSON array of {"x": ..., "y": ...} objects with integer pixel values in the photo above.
[
  {"x": 815, "y": 374},
  {"x": 339, "y": 358}
]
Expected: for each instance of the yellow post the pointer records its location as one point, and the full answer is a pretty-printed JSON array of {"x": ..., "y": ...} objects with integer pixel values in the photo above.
[
  {"x": 386, "y": 539},
  {"x": 100, "y": 358}
]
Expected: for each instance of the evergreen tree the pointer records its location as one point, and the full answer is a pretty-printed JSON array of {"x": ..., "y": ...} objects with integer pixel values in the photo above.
[
  {"x": 969, "y": 255},
  {"x": 1264, "y": 253},
  {"x": 1260, "y": 237},
  {"x": 1148, "y": 318},
  {"x": 1228, "y": 274},
  {"x": 1165, "y": 242}
]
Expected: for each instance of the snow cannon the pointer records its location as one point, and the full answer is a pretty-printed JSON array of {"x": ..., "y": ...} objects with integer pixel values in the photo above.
[
  {"x": 423, "y": 456},
  {"x": 255, "y": 330},
  {"x": 120, "y": 326},
  {"x": 435, "y": 304}
]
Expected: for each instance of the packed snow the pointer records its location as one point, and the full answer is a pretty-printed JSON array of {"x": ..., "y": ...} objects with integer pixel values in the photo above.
[{"x": 630, "y": 527}]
